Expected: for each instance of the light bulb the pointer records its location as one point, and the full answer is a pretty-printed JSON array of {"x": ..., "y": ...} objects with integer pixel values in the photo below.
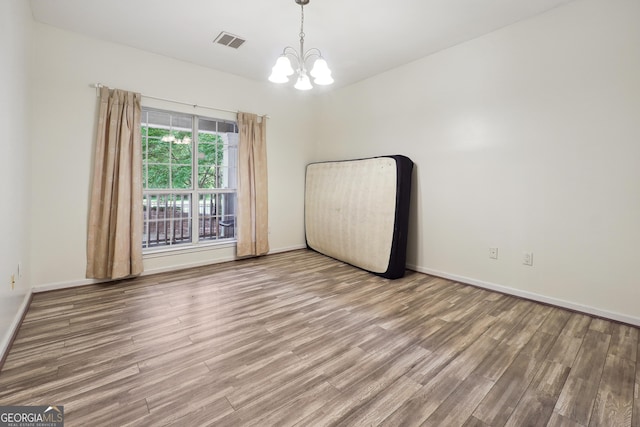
[
  {"x": 320, "y": 68},
  {"x": 303, "y": 82},
  {"x": 283, "y": 66},
  {"x": 277, "y": 77}
]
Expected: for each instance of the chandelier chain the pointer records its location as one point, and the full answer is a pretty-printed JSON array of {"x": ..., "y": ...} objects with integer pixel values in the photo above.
[{"x": 302, "y": 23}]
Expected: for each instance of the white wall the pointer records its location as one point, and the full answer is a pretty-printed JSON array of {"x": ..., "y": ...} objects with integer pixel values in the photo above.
[
  {"x": 527, "y": 139},
  {"x": 15, "y": 30},
  {"x": 64, "y": 118}
]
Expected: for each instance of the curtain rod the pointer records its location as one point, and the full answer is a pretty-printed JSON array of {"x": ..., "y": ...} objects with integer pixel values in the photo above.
[{"x": 97, "y": 86}]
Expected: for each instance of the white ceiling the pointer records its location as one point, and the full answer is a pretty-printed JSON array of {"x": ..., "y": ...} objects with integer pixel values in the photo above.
[{"x": 358, "y": 38}]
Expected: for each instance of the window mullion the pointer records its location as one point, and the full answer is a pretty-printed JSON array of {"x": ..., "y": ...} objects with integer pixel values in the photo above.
[{"x": 195, "y": 197}]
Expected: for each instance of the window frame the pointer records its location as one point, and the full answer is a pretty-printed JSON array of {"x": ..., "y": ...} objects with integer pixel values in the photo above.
[{"x": 194, "y": 215}]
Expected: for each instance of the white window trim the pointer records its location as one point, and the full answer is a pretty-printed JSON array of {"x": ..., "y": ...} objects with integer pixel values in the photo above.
[{"x": 196, "y": 245}]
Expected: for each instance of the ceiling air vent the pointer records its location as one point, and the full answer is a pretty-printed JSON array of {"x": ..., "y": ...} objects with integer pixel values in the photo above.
[{"x": 228, "y": 39}]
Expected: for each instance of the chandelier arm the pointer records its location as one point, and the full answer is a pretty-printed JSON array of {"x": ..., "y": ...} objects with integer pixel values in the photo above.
[
  {"x": 313, "y": 51},
  {"x": 290, "y": 51}
]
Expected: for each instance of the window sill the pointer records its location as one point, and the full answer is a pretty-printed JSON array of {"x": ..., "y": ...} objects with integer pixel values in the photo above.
[{"x": 186, "y": 249}]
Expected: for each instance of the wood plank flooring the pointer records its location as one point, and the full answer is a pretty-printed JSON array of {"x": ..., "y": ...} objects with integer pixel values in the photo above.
[{"x": 299, "y": 339}]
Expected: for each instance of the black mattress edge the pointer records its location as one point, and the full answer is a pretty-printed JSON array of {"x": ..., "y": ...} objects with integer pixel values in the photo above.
[{"x": 398, "y": 257}]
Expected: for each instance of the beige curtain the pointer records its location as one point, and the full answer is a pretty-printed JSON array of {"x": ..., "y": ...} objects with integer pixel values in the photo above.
[
  {"x": 114, "y": 243},
  {"x": 253, "y": 220}
]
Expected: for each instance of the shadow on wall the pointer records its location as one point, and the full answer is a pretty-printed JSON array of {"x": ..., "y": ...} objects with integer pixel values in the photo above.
[{"x": 413, "y": 238}]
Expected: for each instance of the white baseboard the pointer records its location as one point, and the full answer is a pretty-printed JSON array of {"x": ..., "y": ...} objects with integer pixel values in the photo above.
[
  {"x": 15, "y": 324},
  {"x": 287, "y": 249},
  {"x": 211, "y": 262},
  {"x": 46, "y": 287},
  {"x": 84, "y": 282},
  {"x": 462, "y": 279},
  {"x": 187, "y": 265},
  {"x": 631, "y": 320}
]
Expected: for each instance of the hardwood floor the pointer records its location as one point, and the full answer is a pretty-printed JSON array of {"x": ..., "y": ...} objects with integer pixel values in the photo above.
[{"x": 301, "y": 339}]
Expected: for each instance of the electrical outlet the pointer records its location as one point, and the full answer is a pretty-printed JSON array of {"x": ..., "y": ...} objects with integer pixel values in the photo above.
[
  {"x": 493, "y": 253},
  {"x": 527, "y": 258}
]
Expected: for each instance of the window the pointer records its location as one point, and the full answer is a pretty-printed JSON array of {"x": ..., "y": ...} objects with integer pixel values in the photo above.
[{"x": 187, "y": 199}]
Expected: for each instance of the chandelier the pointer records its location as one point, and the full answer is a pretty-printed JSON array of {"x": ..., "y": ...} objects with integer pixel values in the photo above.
[{"x": 320, "y": 72}]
